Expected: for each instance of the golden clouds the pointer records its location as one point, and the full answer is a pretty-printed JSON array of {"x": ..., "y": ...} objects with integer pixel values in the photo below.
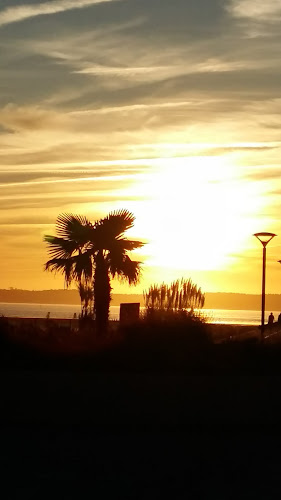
[
  {"x": 260, "y": 11},
  {"x": 22, "y": 12},
  {"x": 159, "y": 107}
]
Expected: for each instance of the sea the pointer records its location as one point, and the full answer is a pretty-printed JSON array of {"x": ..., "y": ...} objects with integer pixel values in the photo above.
[{"x": 60, "y": 311}]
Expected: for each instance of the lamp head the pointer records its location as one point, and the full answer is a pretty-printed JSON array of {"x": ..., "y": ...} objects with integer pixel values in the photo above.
[{"x": 264, "y": 238}]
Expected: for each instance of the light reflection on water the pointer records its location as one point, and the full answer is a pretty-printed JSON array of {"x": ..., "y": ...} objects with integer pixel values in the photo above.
[
  {"x": 226, "y": 316},
  {"x": 236, "y": 316}
]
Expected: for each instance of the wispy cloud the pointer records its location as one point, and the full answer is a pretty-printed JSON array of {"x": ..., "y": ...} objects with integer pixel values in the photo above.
[
  {"x": 22, "y": 12},
  {"x": 131, "y": 104},
  {"x": 147, "y": 73},
  {"x": 261, "y": 11}
]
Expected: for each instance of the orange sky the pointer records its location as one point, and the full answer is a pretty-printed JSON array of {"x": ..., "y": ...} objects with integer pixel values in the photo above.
[{"x": 168, "y": 109}]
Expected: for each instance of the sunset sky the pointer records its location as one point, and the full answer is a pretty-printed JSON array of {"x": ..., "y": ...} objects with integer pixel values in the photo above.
[{"x": 168, "y": 108}]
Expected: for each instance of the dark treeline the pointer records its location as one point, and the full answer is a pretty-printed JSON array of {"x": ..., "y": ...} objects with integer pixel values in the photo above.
[
  {"x": 15, "y": 295},
  {"x": 219, "y": 300}
]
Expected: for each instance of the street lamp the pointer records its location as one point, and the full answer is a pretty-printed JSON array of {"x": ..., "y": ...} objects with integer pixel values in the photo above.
[{"x": 264, "y": 238}]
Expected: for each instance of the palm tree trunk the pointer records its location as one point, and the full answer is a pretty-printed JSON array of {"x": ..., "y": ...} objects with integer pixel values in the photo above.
[{"x": 102, "y": 291}]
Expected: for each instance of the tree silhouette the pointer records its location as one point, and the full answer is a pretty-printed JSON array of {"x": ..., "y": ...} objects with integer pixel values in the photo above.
[{"x": 87, "y": 252}]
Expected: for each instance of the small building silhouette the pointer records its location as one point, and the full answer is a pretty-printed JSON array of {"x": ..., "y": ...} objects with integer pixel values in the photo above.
[{"x": 129, "y": 313}]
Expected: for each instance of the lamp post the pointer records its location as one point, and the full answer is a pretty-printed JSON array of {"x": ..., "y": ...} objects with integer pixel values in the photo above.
[{"x": 264, "y": 238}]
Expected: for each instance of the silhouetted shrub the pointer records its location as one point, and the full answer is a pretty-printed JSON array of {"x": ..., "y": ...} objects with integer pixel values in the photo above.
[
  {"x": 5, "y": 331},
  {"x": 168, "y": 330},
  {"x": 181, "y": 295}
]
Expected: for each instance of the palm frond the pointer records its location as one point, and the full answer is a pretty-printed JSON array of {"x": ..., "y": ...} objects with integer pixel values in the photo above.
[
  {"x": 64, "y": 266},
  {"x": 78, "y": 267},
  {"x": 60, "y": 248},
  {"x": 74, "y": 228},
  {"x": 120, "y": 246},
  {"x": 129, "y": 244},
  {"x": 126, "y": 269},
  {"x": 83, "y": 267},
  {"x": 115, "y": 224}
]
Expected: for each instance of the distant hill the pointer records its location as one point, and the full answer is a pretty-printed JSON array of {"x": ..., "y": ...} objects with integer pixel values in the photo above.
[
  {"x": 16, "y": 296},
  {"x": 213, "y": 300},
  {"x": 242, "y": 301}
]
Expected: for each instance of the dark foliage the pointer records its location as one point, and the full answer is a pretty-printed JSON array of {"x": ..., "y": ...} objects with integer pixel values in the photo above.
[
  {"x": 91, "y": 254},
  {"x": 181, "y": 295}
]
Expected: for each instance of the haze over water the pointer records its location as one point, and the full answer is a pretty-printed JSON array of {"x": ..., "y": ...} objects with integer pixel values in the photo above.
[{"x": 60, "y": 311}]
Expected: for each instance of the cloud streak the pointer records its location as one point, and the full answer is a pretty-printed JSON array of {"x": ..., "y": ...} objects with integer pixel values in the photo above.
[
  {"x": 132, "y": 104},
  {"x": 261, "y": 11},
  {"x": 22, "y": 12}
]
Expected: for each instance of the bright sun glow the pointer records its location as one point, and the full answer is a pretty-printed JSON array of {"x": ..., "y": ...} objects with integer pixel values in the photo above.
[{"x": 196, "y": 213}]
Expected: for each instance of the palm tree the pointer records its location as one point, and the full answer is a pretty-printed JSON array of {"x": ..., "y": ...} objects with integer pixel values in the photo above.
[{"x": 97, "y": 252}]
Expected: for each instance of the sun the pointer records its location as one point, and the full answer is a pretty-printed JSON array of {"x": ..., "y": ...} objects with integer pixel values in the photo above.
[{"x": 196, "y": 213}]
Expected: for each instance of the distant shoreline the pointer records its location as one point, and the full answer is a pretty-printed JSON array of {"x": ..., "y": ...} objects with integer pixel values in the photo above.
[
  {"x": 132, "y": 299},
  {"x": 70, "y": 311},
  {"x": 214, "y": 300}
]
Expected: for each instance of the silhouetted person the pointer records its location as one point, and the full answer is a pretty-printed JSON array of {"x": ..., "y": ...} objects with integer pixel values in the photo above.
[
  {"x": 270, "y": 319},
  {"x": 279, "y": 319}
]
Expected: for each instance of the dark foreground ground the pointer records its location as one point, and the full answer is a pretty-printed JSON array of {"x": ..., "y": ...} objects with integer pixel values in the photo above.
[
  {"x": 82, "y": 435},
  {"x": 145, "y": 427}
]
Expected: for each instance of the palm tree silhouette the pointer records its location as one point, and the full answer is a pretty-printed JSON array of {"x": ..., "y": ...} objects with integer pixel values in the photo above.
[{"x": 87, "y": 252}]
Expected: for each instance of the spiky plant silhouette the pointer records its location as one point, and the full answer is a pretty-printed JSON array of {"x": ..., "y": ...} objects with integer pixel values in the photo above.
[{"x": 178, "y": 296}]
